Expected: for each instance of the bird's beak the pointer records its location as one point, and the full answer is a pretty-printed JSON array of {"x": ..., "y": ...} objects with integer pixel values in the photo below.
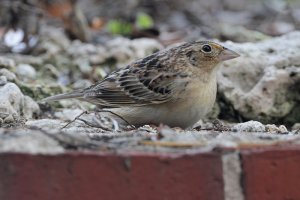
[{"x": 228, "y": 54}]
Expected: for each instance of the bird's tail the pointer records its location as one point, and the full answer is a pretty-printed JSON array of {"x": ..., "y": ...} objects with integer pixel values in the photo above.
[{"x": 75, "y": 94}]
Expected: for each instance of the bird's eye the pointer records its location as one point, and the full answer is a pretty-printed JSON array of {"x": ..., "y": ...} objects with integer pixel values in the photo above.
[{"x": 206, "y": 48}]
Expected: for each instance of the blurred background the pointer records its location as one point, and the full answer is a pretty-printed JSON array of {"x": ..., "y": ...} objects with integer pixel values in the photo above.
[
  {"x": 53, "y": 46},
  {"x": 96, "y": 21}
]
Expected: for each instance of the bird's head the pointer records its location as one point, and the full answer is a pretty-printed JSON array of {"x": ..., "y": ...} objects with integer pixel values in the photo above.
[{"x": 206, "y": 54}]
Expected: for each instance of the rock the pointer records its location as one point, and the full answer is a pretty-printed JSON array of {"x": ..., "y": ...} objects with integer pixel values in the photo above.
[
  {"x": 262, "y": 84},
  {"x": 53, "y": 40},
  {"x": 236, "y": 5},
  {"x": 274, "y": 129},
  {"x": 9, "y": 119},
  {"x": 145, "y": 46},
  {"x": 277, "y": 28},
  {"x": 82, "y": 83},
  {"x": 241, "y": 34},
  {"x": 125, "y": 50},
  {"x": 271, "y": 128},
  {"x": 3, "y": 80},
  {"x": 8, "y": 74},
  {"x": 250, "y": 126},
  {"x": 83, "y": 65},
  {"x": 28, "y": 141},
  {"x": 282, "y": 129},
  {"x": 11, "y": 100},
  {"x": 68, "y": 114},
  {"x": 121, "y": 49},
  {"x": 26, "y": 72},
  {"x": 296, "y": 126},
  {"x": 13, "y": 104},
  {"x": 7, "y": 63},
  {"x": 96, "y": 54},
  {"x": 30, "y": 108}
]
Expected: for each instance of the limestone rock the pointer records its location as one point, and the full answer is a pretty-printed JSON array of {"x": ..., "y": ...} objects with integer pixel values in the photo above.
[
  {"x": 262, "y": 83},
  {"x": 26, "y": 72},
  {"x": 8, "y": 74},
  {"x": 13, "y": 104},
  {"x": 124, "y": 50},
  {"x": 7, "y": 63},
  {"x": 250, "y": 126}
]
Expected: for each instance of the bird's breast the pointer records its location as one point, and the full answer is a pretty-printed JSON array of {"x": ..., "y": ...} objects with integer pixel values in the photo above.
[
  {"x": 193, "y": 103},
  {"x": 196, "y": 101}
]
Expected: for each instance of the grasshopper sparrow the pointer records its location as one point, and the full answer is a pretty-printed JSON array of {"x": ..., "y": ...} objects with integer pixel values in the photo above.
[{"x": 176, "y": 87}]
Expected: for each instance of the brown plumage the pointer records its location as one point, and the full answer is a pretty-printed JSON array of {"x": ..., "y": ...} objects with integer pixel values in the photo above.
[{"x": 176, "y": 86}]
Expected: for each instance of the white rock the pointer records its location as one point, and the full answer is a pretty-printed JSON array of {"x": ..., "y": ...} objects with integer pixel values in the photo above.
[
  {"x": 296, "y": 126},
  {"x": 282, "y": 129},
  {"x": 145, "y": 46},
  {"x": 53, "y": 40},
  {"x": 11, "y": 100},
  {"x": 8, "y": 74},
  {"x": 3, "y": 80},
  {"x": 14, "y": 103},
  {"x": 126, "y": 50},
  {"x": 7, "y": 63},
  {"x": 273, "y": 128},
  {"x": 26, "y": 72},
  {"x": 30, "y": 108},
  {"x": 261, "y": 84},
  {"x": 250, "y": 126},
  {"x": 68, "y": 114}
]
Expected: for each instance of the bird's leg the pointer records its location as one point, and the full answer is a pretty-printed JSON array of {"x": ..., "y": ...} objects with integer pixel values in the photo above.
[
  {"x": 76, "y": 118},
  {"x": 98, "y": 123},
  {"x": 122, "y": 118},
  {"x": 93, "y": 125}
]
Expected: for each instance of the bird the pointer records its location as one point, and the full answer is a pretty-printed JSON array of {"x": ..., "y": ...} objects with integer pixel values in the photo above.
[{"x": 175, "y": 87}]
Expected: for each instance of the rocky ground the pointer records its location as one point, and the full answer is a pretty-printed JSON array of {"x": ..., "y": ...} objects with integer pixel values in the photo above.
[{"x": 261, "y": 85}]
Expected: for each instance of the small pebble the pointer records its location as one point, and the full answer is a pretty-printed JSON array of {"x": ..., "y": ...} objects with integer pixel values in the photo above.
[
  {"x": 250, "y": 126},
  {"x": 8, "y": 74},
  {"x": 26, "y": 72},
  {"x": 273, "y": 128},
  {"x": 3, "y": 80},
  {"x": 296, "y": 126},
  {"x": 8, "y": 119},
  {"x": 282, "y": 129}
]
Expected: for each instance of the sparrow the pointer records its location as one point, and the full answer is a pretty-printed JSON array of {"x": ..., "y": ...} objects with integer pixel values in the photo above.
[{"x": 176, "y": 87}]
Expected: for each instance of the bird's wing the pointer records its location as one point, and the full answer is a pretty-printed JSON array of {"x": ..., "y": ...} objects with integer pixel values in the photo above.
[{"x": 141, "y": 83}]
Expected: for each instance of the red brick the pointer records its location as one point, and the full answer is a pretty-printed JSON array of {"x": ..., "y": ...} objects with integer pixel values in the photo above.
[
  {"x": 271, "y": 174},
  {"x": 98, "y": 176}
]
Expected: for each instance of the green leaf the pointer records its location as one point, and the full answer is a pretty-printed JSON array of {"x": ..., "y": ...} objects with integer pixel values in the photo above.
[
  {"x": 119, "y": 27},
  {"x": 144, "y": 21}
]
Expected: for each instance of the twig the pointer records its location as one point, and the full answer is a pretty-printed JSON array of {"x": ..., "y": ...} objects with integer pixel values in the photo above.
[
  {"x": 100, "y": 126},
  {"x": 76, "y": 118}
]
